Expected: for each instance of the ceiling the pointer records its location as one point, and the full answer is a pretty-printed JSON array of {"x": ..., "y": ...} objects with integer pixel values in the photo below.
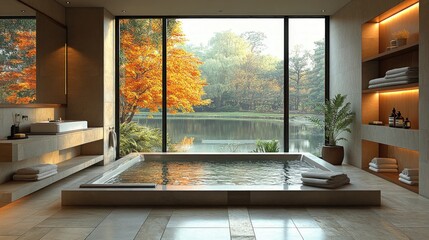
[
  {"x": 212, "y": 7},
  {"x": 15, "y": 8}
]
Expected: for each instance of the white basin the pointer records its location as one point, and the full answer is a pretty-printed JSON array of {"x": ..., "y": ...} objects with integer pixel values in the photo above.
[{"x": 58, "y": 127}]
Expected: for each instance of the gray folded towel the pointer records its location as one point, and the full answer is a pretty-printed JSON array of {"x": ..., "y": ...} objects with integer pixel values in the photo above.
[
  {"x": 340, "y": 178},
  {"x": 396, "y": 83},
  {"x": 402, "y": 69},
  {"x": 313, "y": 182},
  {"x": 392, "y": 79},
  {"x": 34, "y": 177},
  {"x": 321, "y": 174},
  {"x": 41, "y": 168},
  {"x": 410, "y": 74}
]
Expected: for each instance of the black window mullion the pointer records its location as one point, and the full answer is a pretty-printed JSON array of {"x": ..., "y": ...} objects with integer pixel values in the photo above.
[
  {"x": 286, "y": 86},
  {"x": 164, "y": 84}
]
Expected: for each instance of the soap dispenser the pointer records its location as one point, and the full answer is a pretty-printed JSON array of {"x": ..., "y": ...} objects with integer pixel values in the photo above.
[{"x": 392, "y": 118}]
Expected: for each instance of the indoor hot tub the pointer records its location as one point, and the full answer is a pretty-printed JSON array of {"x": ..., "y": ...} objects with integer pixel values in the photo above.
[{"x": 215, "y": 179}]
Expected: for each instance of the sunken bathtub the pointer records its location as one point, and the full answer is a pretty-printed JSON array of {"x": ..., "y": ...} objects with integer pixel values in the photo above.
[{"x": 161, "y": 179}]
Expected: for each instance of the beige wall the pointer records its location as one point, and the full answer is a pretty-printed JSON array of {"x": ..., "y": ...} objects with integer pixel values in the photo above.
[
  {"x": 91, "y": 75},
  {"x": 345, "y": 72}
]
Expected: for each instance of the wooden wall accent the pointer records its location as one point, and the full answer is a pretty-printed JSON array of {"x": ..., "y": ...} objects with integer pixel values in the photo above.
[{"x": 405, "y": 101}]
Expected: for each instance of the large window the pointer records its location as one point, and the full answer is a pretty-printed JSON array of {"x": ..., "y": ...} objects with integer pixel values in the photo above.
[
  {"x": 223, "y": 81},
  {"x": 17, "y": 60}
]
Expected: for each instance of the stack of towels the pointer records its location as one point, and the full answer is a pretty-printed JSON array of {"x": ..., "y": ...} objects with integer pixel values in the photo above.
[
  {"x": 324, "y": 179},
  {"x": 409, "y": 176},
  {"x": 383, "y": 165},
  {"x": 397, "y": 76},
  {"x": 35, "y": 173}
]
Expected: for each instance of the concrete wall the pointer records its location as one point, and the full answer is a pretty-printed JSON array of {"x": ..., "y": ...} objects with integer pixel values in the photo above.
[{"x": 424, "y": 98}]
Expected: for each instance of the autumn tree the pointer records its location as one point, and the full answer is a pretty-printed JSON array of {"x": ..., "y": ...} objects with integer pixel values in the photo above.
[
  {"x": 18, "y": 60},
  {"x": 141, "y": 69}
]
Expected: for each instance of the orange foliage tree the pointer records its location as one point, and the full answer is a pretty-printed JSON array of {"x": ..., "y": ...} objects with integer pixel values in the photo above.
[
  {"x": 18, "y": 65},
  {"x": 141, "y": 69}
]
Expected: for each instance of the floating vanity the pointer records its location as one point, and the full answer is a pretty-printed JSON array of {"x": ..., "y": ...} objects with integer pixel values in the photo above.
[{"x": 72, "y": 151}]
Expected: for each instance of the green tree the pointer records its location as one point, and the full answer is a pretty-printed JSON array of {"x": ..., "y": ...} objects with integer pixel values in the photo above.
[
  {"x": 317, "y": 75},
  {"x": 298, "y": 77}
]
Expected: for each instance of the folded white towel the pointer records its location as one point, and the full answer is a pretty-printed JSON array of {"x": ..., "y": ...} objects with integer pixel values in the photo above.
[
  {"x": 322, "y": 174},
  {"x": 411, "y": 171},
  {"x": 314, "y": 182},
  {"x": 383, "y": 165},
  {"x": 383, "y": 170},
  {"x": 408, "y": 181},
  {"x": 381, "y": 160},
  {"x": 396, "y": 83},
  {"x": 393, "y": 79},
  {"x": 340, "y": 178},
  {"x": 402, "y": 69},
  {"x": 34, "y": 177},
  {"x": 410, "y": 74},
  {"x": 409, "y": 178},
  {"x": 41, "y": 168}
]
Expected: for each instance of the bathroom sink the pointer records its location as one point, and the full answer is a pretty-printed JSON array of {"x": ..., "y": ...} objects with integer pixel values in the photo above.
[{"x": 52, "y": 127}]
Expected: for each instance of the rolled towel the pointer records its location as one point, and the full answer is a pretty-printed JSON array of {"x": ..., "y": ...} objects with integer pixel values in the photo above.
[
  {"x": 381, "y": 160},
  {"x": 315, "y": 182},
  {"x": 402, "y": 69},
  {"x": 411, "y": 171},
  {"x": 41, "y": 168},
  {"x": 409, "y": 178},
  {"x": 112, "y": 139},
  {"x": 383, "y": 165},
  {"x": 383, "y": 170},
  {"x": 323, "y": 174},
  {"x": 34, "y": 177},
  {"x": 408, "y": 181}
]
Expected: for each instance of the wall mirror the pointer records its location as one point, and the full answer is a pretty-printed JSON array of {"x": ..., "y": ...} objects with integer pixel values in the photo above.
[{"x": 33, "y": 56}]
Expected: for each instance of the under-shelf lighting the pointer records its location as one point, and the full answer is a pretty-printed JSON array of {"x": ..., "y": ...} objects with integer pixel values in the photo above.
[
  {"x": 404, "y": 11},
  {"x": 410, "y": 91}
]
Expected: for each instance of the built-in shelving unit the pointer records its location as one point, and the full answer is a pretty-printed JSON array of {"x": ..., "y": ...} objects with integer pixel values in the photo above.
[
  {"x": 64, "y": 149},
  {"x": 377, "y": 103}
]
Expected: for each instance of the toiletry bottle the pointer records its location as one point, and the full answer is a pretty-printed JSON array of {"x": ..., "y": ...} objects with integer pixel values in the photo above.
[
  {"x": 392, "y": 118},
  {"x": 407, "y": 123},
  {"x": 399, "y": 120}
]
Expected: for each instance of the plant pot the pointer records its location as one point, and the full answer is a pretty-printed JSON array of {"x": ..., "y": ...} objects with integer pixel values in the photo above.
[{"x": 333, "y": 154}]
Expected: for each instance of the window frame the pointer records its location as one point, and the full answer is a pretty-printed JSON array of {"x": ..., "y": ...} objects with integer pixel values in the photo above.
[{"x": 164, "y": 67}]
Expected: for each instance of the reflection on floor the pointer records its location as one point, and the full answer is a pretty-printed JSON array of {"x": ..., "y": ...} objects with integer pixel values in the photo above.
[{"x": 403, "y": 215}]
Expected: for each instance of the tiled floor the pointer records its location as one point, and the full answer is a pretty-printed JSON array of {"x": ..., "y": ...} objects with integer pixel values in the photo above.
[{"x": 403, "y": 215}]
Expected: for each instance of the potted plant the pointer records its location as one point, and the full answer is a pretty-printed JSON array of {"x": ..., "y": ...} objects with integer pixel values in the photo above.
[
  {"x": 338, "y": 117},
  {"x": 401, "y": 37}
]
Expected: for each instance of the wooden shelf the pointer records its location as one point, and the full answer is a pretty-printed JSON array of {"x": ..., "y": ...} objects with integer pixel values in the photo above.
[
  {"x": 397, "y": 88},
  {"x": 393, "y": 52},
  {"x": 394, "y": 178},
  {"x": 13, "y": 190},
  {"x": 398, "y": 137},
  {"x": 37, "y": 145}
]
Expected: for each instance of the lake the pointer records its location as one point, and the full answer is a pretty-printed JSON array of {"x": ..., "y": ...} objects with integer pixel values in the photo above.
[{"x": 236, "y": 134}]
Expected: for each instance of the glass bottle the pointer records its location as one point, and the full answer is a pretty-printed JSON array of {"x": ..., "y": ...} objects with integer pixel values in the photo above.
[
  {"x": 392, "y": 118},
  {"x": 399, "y": 122},
  {"x": 407, "y": 123}
]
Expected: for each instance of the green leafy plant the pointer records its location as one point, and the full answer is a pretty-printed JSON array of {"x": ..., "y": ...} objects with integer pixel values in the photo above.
[
  {"x": 338, "y": 117},
  {"x": 267, "y": 146},
  {"x": 138, "y": 138}
]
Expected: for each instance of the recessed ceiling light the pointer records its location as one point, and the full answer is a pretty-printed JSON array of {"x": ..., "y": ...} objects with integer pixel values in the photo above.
[
  {"x": 323, "y": 10},
  {"x": 23, "y": 11},
  {"x": 68, "y": 2},
  {"x": 124, "y": 11}
]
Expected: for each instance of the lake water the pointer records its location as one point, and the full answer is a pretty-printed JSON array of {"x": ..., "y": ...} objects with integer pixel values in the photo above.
[{"x": 237, "y": 135}]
